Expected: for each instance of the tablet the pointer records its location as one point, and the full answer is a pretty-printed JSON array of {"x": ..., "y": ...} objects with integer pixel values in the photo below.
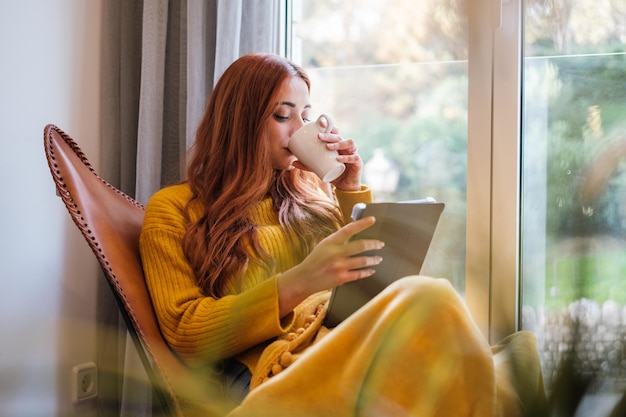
[{"x": 407, "y": 228}]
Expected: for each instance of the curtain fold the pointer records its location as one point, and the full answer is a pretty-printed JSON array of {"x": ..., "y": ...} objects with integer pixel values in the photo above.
[
  {"x": 151, "y": 97},
  {"x": 160, "y": 61},
  {"x": 121, "y": 77},
  {"x": 200, "y": 65},
  {"x": 253, "y": 28}
]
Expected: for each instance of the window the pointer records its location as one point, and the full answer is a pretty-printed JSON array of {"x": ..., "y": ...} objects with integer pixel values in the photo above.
[
  {"x": 517, "y": 127},
  {"x": 574, "y": 181},
  {"x": 395, "y": 79}
]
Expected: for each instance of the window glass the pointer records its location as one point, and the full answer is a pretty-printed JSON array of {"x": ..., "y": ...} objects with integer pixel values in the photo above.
[
  {"x": 395, "y": 80},
  {"x": 574, "y": 182}
]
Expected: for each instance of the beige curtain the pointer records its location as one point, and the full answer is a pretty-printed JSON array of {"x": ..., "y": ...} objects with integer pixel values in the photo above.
[{"x": 160, "y": 60}]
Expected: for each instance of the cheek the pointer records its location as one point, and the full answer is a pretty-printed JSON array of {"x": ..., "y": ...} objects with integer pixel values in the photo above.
[{"x": 279, "y": 135}]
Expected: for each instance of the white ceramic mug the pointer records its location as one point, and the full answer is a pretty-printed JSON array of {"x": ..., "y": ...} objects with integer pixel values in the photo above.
[{"x": 312, "y": 151}]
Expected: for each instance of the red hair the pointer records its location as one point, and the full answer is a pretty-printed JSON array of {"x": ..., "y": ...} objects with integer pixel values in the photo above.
[{"x": 230, "y": 172}]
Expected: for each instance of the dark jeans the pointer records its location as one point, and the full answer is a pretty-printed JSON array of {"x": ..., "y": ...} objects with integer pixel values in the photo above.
[{"x": 236, "y": 380}]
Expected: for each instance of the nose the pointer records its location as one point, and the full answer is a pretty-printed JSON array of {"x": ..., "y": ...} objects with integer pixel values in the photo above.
[{"x": 298, "y": 123}]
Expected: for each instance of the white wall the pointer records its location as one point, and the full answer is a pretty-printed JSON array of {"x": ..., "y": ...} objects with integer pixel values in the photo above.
[{"x": 49, "y": 73}]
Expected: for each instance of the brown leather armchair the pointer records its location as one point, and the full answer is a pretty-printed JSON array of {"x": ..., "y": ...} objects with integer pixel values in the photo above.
[{"x": 111, "y": 222}]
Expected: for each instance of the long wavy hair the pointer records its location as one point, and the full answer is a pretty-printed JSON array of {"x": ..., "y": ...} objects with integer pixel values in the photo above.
[{"x": 231, "y": 171}]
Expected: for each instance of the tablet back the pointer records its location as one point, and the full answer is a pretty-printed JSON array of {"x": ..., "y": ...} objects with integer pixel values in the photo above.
[{"x": 407, "y": 228}]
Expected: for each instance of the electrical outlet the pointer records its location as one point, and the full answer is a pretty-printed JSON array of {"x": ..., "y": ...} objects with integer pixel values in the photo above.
[{"x": 84, "y": 383}]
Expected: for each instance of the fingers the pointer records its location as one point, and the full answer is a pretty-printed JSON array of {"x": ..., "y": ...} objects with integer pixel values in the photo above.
[
  {"x": 359, "y": 267},
  {"x": 351, "y": 248},
  {"x": 346, "y": 147},
  {"x": 353, "y": 159},
  {"x": 337, "y": 143},
  {"x": 362, "y": 254},
  {"x": 338, "y": 258},
  {"x": 357, "y": 274},
  {"x": 363, "y": 262},
  {"x": 348, "y": 231},
  {"x": 330, "y": 137}
]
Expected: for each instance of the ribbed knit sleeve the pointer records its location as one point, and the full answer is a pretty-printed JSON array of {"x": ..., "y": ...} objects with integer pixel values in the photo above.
[
  {"x": 199, "y": 328},
  {"x": 347, "y": 200}
]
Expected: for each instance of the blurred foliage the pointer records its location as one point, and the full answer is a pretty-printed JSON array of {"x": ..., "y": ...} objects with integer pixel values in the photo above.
[
  {"x": 373, "y": 32},
  {"x": 587, "y": 116},
  {"x": 584, "y": 43},
  {"x": 394, "y": 74},
  {"x": 563, "y": 27},
  {"x": 382, "y": 59}
]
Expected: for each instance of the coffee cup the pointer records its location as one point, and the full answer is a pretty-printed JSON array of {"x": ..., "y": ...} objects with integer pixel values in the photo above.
[{"x": 312, "y": 152}]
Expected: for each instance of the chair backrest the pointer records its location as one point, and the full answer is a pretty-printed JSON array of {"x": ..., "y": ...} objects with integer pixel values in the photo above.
[{"x": 111, "y": 222}]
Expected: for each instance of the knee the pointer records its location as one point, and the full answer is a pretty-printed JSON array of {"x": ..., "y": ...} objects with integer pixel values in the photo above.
[
  {"x": 419, "y": 289},
  {"x": 420, "y": 284}
]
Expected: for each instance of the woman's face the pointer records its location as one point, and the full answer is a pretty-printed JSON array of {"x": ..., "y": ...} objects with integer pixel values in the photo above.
[{"x": 290, "y": 113}]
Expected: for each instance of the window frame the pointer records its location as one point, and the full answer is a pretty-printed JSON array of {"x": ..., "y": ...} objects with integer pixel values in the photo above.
[{"x": 493, "y": 173}]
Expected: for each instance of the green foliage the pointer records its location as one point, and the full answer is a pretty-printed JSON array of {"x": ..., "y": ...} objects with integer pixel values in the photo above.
[
  {"x": 569, "y": 279},
  {"x": 352, "y": 34},
  {"x": 590, "y": 87},
  {"x": 400, "y": 84}
]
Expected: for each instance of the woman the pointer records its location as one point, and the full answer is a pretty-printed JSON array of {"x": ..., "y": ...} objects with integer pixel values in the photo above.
[{"x": 239, "y": 260}]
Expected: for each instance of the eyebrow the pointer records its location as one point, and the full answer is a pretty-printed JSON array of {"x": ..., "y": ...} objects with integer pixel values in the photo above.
[{"x": 290, "y": 104}]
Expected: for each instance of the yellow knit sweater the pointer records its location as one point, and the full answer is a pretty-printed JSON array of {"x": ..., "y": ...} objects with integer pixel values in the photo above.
[{"x": 203, "y": 329}]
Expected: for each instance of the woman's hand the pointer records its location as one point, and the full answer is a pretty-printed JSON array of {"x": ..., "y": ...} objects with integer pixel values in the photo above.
[
  {"x": 350, "y": 180},
  {"x": 333, "y": 262}
]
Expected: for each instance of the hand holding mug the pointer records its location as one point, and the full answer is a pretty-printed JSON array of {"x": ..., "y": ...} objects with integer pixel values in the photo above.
[{"x": 313, "y": 152}]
